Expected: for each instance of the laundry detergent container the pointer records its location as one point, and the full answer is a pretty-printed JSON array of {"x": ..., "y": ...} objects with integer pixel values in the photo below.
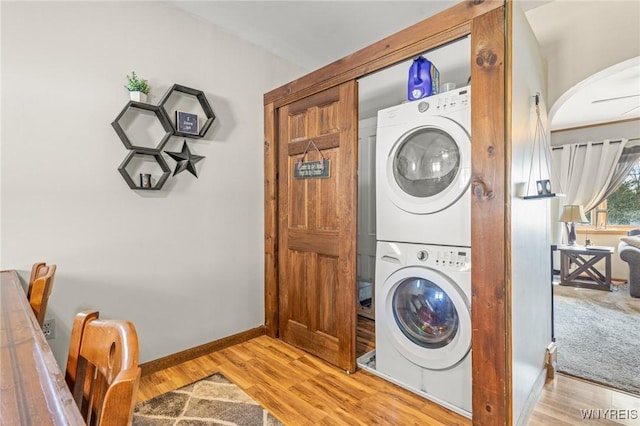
[{"x": 424, "y": 79}]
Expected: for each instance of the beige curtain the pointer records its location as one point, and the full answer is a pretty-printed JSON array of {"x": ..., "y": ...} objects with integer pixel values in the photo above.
[{"x": 583, "y": 172}]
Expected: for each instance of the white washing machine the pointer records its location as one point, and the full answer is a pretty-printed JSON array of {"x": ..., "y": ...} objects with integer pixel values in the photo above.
[
  {"x": 423, "y": 320},
  {"x": 423, "y": 170}
]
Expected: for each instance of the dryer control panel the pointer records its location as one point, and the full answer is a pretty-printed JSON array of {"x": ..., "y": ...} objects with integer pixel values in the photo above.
[{"x": 452, "y": 100}]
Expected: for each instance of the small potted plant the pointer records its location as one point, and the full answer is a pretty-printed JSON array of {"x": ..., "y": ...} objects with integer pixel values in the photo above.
[{"x": 138, "y": 87}]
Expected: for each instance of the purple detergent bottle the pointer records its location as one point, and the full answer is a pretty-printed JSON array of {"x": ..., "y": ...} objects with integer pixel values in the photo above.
[{"x": 424, "y": 79}]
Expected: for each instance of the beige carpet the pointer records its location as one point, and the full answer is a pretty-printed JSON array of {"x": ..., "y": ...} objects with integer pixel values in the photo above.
[
  {"x": 597, "y": 334},
  {"x": 210, "y": 401},
  {"x": 618, "y": 299}
]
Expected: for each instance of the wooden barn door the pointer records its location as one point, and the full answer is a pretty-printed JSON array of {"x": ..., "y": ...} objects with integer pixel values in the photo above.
[{"x": 317, "y": 224}]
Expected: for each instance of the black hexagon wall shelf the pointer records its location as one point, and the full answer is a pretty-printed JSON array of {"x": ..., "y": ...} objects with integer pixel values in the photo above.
[
  {"x": 204, "y": 104},
  {"x": 160, "y": 114},
  {"x": 157, "y": 156}
]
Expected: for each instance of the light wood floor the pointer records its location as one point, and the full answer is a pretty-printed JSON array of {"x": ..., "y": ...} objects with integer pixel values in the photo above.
[
  {"x": 563, "y": 399},
  {"x": 300, "y": 389}
]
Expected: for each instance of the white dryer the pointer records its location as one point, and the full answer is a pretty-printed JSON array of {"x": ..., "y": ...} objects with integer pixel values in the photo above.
[
  {"x": 423, "y": 170},
  {"x": 423, "y": 321}
]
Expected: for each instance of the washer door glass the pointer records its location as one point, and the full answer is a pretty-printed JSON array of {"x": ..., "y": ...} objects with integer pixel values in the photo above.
[
  {"x": 426, "y": 162},
  {"x": 424, "y": 313}
]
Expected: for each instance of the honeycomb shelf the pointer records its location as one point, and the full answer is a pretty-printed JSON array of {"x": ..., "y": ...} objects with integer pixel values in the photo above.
[
  {"x": 157, "y": 156},
  {"x": 204, "y": 104},
  {"x": 156, "y": 143},
  {"x": 160, "y": 114}
]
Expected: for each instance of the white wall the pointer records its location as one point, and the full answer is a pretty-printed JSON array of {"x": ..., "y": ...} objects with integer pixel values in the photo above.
[
  {"x": 530, "y": 238},
  {"x": 185, "y": 264},
  {"x": 578, "y": 39}
]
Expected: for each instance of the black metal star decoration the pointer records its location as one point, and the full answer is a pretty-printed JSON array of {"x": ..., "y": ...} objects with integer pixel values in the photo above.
[{"x": 185, "y": 160}]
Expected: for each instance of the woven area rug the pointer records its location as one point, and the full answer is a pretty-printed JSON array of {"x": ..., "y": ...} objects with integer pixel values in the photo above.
[
  {"x": 598, "y": 336},
  {"x": 210, "y": 401}
]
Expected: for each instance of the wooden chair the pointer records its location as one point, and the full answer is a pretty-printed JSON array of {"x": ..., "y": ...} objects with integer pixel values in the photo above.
[
  {"x": 40, "y": 287},
  {"x": 102, "y": 369},
  {"x": 39, "y": 269}
]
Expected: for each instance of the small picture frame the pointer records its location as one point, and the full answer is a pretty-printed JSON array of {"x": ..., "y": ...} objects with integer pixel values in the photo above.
[
  {"x": 186, "y": 123},
  {"x": 145, "y": 180}
]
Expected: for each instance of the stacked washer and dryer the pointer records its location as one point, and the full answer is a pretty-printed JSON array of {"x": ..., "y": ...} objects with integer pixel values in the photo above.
[{"x": 423, "y": 256}]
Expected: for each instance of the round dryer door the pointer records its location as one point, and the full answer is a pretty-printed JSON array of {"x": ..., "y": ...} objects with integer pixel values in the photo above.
[
  {"x": 428, "y": 317},
  {"x": 429, "y": 167}
]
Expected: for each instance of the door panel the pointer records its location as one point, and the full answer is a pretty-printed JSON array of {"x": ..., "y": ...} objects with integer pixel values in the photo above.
[
  {"x": 297, "y": 291},
  {"x": 298, "y": 126},
  {"x": 298, "y": 208},
  {"x": 317, "y": 233},
  {"x": 326, "y": 213},
  {"x": 327, "y": 277}
]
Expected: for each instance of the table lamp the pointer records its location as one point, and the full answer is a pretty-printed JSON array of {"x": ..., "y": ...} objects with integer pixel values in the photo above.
[{"x": 571, "y": 214}]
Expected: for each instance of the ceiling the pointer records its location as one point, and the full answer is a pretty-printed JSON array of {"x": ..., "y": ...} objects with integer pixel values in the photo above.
[
  {"x": 610, "y": 95},
  {"x": 312, "y": 34}
]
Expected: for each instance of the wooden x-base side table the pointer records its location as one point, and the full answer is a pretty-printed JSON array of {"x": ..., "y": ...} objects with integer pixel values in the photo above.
[{"x": 585, "y": 274}]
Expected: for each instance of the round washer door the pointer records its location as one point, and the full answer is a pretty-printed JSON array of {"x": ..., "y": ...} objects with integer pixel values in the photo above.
[
  {"x": 429, "y": 166},
  {"x": 427, "y": 317}
]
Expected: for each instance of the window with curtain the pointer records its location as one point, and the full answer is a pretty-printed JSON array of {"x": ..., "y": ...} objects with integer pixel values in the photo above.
[
  {"x": 603, "y": 177},
  {"x": 622, "y": 206}
]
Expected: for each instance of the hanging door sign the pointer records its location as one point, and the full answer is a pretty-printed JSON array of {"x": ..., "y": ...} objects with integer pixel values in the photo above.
[{"x": 312, "y": 169}]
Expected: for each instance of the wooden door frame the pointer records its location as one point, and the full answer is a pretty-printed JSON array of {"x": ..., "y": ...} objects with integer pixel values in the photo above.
[{"x": 484, "y": 21}]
